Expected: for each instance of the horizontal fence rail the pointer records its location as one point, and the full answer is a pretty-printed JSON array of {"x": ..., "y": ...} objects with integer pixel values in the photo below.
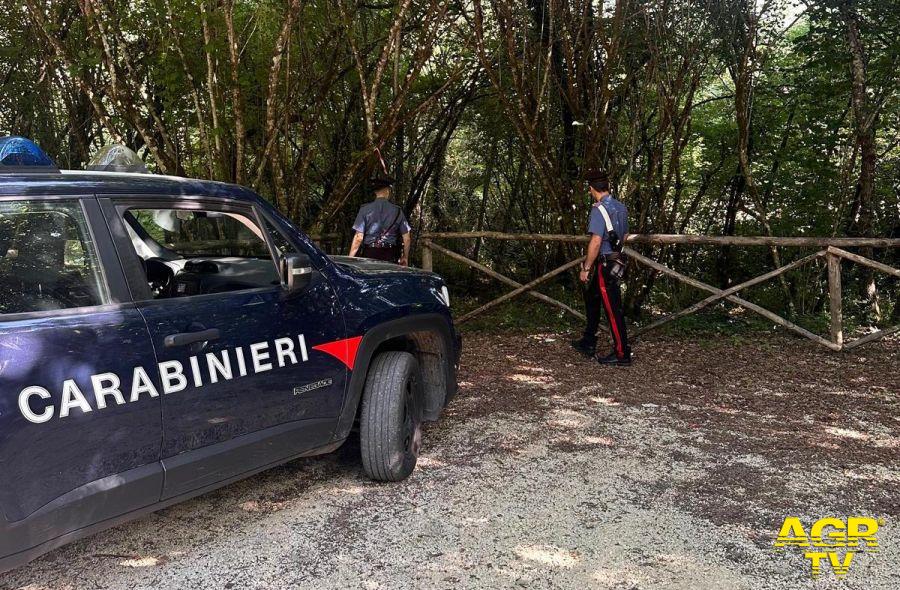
[
  {"x": 662, "y": 239},
  {"x": 830, "y": 249}
]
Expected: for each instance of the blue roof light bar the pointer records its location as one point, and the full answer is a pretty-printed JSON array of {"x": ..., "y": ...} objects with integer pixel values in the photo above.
[{"x": 18, "y": 154}]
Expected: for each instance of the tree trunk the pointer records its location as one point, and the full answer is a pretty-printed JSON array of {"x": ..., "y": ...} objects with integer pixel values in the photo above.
[
  {"x": 725, "y": 259},
  {"x": 236, "y": 94},
  {"x": 864, "y": 124},
  {"x": 485, "y": 192}
]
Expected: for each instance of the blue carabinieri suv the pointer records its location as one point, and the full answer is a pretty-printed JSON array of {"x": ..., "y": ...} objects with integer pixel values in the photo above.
[{"x": 161, "y": 337}]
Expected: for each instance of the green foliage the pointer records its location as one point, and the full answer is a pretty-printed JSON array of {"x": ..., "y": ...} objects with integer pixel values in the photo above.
[{"x": 504, "y": 108}]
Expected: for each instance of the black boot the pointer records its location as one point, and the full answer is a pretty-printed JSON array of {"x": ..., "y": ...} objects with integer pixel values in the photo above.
[
  {"x": 585, "y": 346},
  {"x": 615, "y": 360}
]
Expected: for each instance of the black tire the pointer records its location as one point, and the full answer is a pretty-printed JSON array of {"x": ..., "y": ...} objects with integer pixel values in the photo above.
[{"x": 390, "y": 426}]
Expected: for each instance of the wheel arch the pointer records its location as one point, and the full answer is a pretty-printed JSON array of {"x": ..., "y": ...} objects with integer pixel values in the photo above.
[{"x": 430, "y": 338}]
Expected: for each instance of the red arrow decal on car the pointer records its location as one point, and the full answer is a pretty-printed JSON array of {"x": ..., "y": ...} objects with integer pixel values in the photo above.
[{"x": 343, "y": 350}]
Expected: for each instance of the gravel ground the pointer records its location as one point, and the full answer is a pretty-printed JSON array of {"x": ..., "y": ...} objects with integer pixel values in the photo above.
[{"x": 552, "y": 472}]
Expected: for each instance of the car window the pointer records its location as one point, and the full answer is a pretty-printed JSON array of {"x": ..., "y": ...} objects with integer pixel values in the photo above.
[
  {"x": 202, "y": 233},
  {"x": 47, "y": 258},
  {"x": 281, "y": 243},
  {"x": 187, "y": 252}
]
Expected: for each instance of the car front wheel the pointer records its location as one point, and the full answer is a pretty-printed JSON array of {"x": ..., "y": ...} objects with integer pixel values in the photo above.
[{"x": 391, "y": 420}]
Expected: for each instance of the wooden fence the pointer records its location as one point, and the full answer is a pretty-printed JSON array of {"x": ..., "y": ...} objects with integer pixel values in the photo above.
[{"x": 831, "y": 249}]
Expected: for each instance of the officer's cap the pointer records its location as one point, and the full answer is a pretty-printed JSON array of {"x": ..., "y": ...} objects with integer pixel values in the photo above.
[
  {"x": 380, "y": 181},
  {"x": 596, "y": 175}
]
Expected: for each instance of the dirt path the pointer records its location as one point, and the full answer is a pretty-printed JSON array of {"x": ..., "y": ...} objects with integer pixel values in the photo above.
[{"x": 552, "y": 472}]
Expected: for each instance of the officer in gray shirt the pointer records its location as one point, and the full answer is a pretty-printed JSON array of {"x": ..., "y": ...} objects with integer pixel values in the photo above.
[{"x": 382, "y": 231}]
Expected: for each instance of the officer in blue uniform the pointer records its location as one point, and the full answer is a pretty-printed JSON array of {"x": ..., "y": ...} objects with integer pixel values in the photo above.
[
  {"x": 602, "y": 272},
  {"x": 382, "y": 231}
]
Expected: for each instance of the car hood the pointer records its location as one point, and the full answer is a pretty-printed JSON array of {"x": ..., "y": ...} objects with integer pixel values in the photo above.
[{"x": 375, "y": 267}]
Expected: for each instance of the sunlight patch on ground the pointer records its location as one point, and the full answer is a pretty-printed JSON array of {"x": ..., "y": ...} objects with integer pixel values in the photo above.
[
  {"x": 430, "y": 462},
  {"x": 568, "y": 419},
  {"x": 605, "y": 401},
  {"x": 148, "y": 561},
  {"x": 547, "y": 555},
  {"x": 891, "y": 442},
  {"x": 877, "y": 473},
  {"x": 752, "y": 460},
  {"x": 543, "y": 381},
  {"x": 847, "y": 433},
  {"x": 539, "y": 370},
  {"x": 617, "y": 578},
  {"x": 543, "y": 337},
  {"x": 600, "y": 440}
]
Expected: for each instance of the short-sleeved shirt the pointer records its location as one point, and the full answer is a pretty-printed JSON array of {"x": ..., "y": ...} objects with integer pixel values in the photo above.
[
  {"x": 618, "y": 215},
  {"x": 381, "y": 221}
]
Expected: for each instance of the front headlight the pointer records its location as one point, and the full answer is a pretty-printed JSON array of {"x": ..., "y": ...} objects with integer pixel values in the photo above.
[{"x": 445, "y": 293}]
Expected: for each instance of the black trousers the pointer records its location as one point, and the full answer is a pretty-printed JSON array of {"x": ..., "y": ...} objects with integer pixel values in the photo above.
[
  {"x": 385, "y": 253},
  {"x": 603, "y": 291}
]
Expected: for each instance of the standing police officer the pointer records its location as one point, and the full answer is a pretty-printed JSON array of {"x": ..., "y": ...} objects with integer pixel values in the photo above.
[
  {"x": 381, "y": 227},
  {"x": 603, "y": 270}
]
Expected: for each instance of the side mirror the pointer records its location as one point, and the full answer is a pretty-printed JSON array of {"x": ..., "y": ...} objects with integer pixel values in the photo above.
[{"x": 297, "y": 272}]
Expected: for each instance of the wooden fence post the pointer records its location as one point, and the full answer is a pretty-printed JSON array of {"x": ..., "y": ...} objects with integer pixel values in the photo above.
[
  {"x": 427, "y": 259},
  {"x": 834, "y": 295}
]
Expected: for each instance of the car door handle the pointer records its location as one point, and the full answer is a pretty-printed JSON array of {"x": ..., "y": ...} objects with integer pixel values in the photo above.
[{"x": 185, "y": 338}]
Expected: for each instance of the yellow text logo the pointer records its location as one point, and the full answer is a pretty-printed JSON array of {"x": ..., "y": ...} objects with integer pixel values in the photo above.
[{"x": 831, "y": 542}]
